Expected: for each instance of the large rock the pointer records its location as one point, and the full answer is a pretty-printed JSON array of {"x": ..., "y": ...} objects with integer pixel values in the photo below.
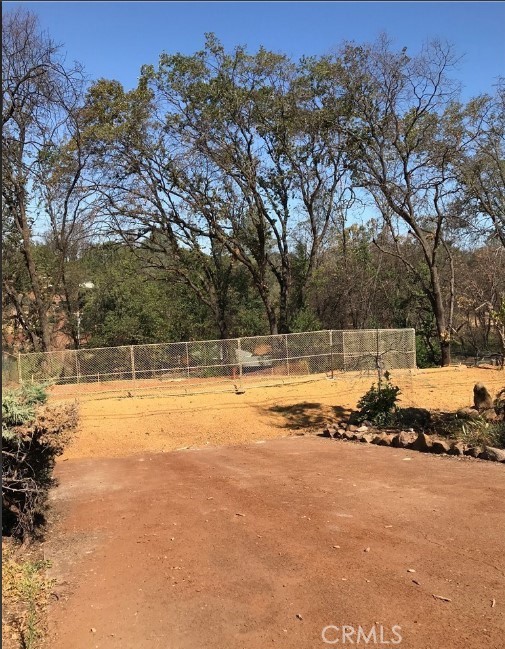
[
  {"x": 440, "y": 446},
  {"x": 473, "y": 451},
  {"x": 457, "y": 448},
  {"x": 403, "y": 439},
  {"x": 489, "y": 414},
  {"x": 422, "y": 443},
  {"x": 482, "y": 400},
  {"x": 367, "y": 437},
  {"x": 386, "y": 440},
  {"x": 493, "y": 454}
]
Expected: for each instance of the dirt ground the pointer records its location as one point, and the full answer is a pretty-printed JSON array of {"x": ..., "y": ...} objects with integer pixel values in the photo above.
[
  {"x": 237, "y": 540},
  {"x": 114, "y": 425},
  {"x": 266, "y": 544}
]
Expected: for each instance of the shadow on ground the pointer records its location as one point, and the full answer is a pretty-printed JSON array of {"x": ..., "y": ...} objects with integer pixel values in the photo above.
[{"x": 306, "y": 414}]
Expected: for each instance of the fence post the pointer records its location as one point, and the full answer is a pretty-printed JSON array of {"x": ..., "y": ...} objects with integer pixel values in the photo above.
[
  {"x": 378, "y": 361},
  {"x": 132, "y": 357},
  {"x": 187, "y": 358},
  {"x": 331, "y": 353},
  {"x": 19, "y": 369},
  {"x": 77, "y": 369},
  {"x": 287, "y": 352},
  {"x": 239, "y": 358}
]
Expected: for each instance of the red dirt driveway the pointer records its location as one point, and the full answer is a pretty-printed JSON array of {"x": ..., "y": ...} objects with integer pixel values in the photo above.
[{"x": 266, "y": 544}]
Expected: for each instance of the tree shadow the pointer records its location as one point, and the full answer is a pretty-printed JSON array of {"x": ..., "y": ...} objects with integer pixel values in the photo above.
[{"x": 306, "y": 414}]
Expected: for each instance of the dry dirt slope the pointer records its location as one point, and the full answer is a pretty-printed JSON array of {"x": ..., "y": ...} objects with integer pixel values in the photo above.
[{"x": 112, "y": 426}]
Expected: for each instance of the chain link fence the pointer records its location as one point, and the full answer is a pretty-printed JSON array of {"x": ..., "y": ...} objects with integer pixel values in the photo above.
[{"x": 232, "y": 360}]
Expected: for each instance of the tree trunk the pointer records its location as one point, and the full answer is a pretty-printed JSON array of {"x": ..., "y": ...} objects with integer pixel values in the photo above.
[
  {"x": 443, "y": 328},
  {"x": 445, "y": 351},
  {"x": 283, "y": 309},
  {"x": 45, "y": 337}
]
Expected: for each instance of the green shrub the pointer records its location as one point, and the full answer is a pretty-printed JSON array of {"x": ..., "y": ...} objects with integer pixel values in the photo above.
[
  {"x": 19, "y": 406},
  {"x": 378, "y": 405}
]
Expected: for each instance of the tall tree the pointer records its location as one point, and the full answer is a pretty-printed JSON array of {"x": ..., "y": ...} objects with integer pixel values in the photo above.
[
  {"x": 39, "y": 94},
  {"x": 404, "y": 143},
  {"x": 234, "y": 152}
]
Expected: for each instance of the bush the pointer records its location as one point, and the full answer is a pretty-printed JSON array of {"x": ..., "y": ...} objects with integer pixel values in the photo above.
[
  {"x": 33, "y": 435},
  {"x": 378, "y": 405},
  {"x": 478, "y": 432}
]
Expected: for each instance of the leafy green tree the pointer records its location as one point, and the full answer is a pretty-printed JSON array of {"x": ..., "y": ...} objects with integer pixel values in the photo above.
[{"x": 226, "y": 152}]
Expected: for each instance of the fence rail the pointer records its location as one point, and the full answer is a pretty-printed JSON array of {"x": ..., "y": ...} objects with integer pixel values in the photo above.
[{"x": 233, "y": 359}]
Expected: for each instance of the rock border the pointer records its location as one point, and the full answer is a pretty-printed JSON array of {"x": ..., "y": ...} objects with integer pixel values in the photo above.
[{"x": 411, "y": 440}]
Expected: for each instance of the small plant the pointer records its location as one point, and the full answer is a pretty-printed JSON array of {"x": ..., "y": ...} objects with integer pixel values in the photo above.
[
  {"x": 499, "y": 403},
  {"x": 478, "y": 432},
  {"x": 378, "y": 405}
]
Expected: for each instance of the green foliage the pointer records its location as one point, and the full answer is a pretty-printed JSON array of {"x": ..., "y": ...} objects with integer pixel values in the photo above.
[
  {"x": 128, "y": 307},
  {"x": 305, "y": 320},
  {"x": 426, "y": 356},
  {"x": 18, "y": 406},
  {"x": 477, "y": 432},
  {"x": 378, "y": 405}
]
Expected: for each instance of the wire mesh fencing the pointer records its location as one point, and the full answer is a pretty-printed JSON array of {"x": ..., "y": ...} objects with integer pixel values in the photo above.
[{"x": 232, "y": 360}]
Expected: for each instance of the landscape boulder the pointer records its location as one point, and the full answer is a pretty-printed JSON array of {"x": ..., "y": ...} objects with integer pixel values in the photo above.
[
  {"x": 440, "y": 446},
  {"x": 493, "y": 454},
  {"x": 457, "y": 448},
  {"x": 403, "y": 439},
  {"x": 482, "y": 400},
  {"x": 386, "y": 440},
  {"x": 467, "y": 413},
  {"x": 422, "y": 443}
]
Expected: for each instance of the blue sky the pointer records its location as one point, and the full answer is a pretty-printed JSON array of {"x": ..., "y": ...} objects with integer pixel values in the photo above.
[{"x": 113, "y": 39}]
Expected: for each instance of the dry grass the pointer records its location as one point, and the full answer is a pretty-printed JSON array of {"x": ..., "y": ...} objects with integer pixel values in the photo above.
[{"x": 25, "y": 594}]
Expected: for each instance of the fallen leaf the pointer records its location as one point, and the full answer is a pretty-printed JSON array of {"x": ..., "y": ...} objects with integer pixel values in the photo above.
[
  {"x": 493, "y": 603},
  {"x": 239, "y": 514}
]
